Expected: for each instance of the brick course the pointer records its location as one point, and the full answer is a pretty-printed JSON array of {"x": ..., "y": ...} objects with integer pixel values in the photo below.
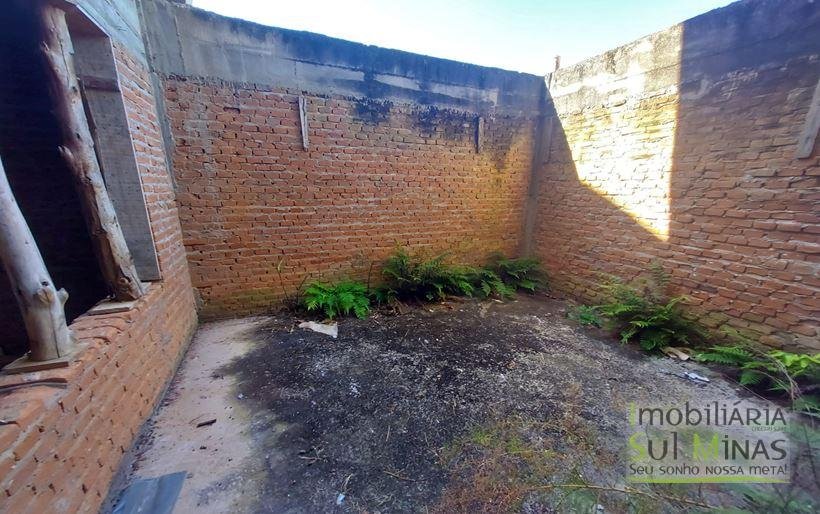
[{"x": 376, "y": 175}]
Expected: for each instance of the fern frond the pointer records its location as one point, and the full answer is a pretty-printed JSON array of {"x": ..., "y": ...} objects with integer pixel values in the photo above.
[
  {"x": 807, "y": 403},
  {"x": 523, "y": 273},
  {"x": 340, "y": 298},
  {"x": 727, "y": 355},
  {"x": 750, "y": 377}
]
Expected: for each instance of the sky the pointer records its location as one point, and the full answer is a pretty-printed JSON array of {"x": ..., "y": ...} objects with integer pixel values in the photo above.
[{"x": 518, "y": 35}]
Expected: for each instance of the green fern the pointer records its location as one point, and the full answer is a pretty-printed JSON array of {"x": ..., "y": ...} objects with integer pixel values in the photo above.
[
  {"x": 586, "y": 315},
  {"x": 412, "y": 277},
  {"x": 799, "y": 364},
  {"x": 342, "y": 298},
  {"x": 796, "y": 365},
  {"x": 727, "y": 355},
  {"x": 807, "y": 403},
  {"x": 775, "y": 370},
  {"x": 384, "y": 294},
  {"x": 658, "y": 280},
  {"x": 640, "y": 312},
  {"x": 485, "y": 283},
  {"x": 524, "y": 273},
  {"x": 751, "y": 377},
  {"x": 778, "y": 499}
]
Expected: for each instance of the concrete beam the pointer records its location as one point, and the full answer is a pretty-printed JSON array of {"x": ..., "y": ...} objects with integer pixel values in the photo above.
[{"x": 201, "y": 44}]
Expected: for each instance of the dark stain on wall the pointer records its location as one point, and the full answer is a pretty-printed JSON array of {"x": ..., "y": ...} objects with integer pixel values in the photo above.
[
  {"x": 500, "y": 135},
  {"x": 372, "y": 111},
  {"x": 455, "y": 125}
]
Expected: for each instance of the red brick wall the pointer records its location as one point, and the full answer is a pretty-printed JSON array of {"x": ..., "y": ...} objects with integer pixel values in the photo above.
[
  {"x": 680, "y": 149},
  {"x": 375, "y": 175},
  {"x": 63, "y": 445}
]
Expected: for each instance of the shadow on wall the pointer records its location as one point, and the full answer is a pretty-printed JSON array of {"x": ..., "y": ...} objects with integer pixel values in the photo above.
[{"x": 680, "y": 148}]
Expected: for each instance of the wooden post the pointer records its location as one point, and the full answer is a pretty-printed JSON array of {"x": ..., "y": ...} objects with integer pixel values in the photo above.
[
  {"x": 78, "y": 150},
  {"x": 303, "y": 121},
  {"x": 41, "y": 304},
  {"x": 479, "y": 134}
]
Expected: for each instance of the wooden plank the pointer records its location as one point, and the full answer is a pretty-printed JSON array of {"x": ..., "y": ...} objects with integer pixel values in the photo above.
[
  {"x": 106, "y": 307},
  {"x": 115, "y": 151},
  {"x": 41, "y": 304},
  {"x": 26, "y": 364},
  {"x": 90, "y": 83},
  {"x": 479, "y": 134},
  {"x": 303, "y": 121},
  {"x": 805, "y": 145},
  {"x": 112, "y": 252}
]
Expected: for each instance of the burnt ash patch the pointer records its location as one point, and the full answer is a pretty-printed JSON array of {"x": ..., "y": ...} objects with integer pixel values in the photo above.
[
  {"x": 378, "y": 403},
  {"x": 432, "y": 410}
]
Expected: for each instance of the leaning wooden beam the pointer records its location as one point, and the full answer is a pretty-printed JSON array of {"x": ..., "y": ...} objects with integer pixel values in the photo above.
[
  {"x": 41, "y": 304},
  {"x": 78, "y": 151}
]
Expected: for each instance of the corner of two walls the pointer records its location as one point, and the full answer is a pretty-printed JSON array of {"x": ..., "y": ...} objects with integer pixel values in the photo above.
[
  {"x": 676, "y": 148},
  {"x": 394, "y": 155},
  {"x": 679, "y": 148}
]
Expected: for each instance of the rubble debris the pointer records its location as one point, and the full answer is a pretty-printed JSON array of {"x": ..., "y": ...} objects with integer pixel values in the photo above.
[
  {"x": 156, "y": 495},
  {"x": 694, "y": 377},
  {"x": 331, "y": 329},
  {"x": 674, "y": 352}
]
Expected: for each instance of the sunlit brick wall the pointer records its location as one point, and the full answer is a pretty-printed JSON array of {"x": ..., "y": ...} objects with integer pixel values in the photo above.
[{"x": 680, "y": 149}]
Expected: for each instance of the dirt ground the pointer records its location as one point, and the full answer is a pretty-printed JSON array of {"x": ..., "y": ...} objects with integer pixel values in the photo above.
[{"x": 456, "y": 407}]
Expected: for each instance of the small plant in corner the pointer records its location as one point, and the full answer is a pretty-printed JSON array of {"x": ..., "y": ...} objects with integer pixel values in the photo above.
[
  {"x": 485, "y": 282},
  {"x": 524, "y": 273},
  {"x": 341, "y": 298},
  {"x": 290, "y": 301},
  {"x": 586, "y": 315},
  {"x": 413, "y": 277},
  {"x": 641, "y": 312}
]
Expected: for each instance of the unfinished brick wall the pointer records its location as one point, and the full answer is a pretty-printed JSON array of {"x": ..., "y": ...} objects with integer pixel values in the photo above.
[
  {"x": 676, "y": 148},
  {"x": 680, "y": 148},
  {"x": 376, "y": 175},
  {"x": 62, "y": 446},
  {"x": 394, "y": 156}
]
